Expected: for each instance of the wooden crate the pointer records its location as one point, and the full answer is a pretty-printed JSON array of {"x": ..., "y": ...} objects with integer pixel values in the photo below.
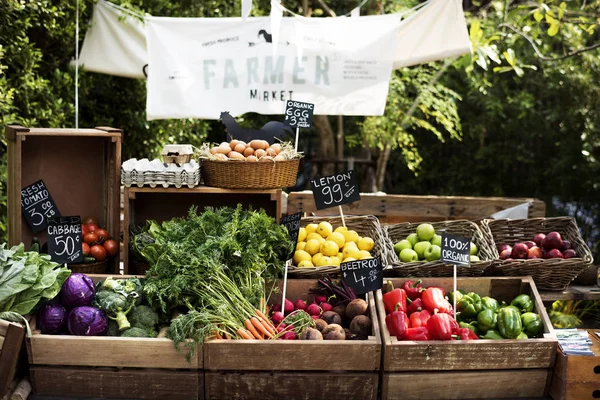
[
  {"x": 577, "y": 377},
  {"x": 112, "y": 367},
  {"x": 80, "y": 168},
  {"x": 469, "y": 369},
  {"x": 161, "y": 204},
  {"x": 11, "y": 338},
  {"x": 251, "y": 369}
]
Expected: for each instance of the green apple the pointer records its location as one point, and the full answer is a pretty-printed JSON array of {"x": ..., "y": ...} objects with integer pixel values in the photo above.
[
  {"x": 408, "y": 255},
  {"x": 433, "y": 253},
  {"x": 425, "y": 232},
  {"x": 474, "y": 258},
  {"x": 437, "y": 240},
  {"x": 401, "y": 245},
  {"x": 474, "y": 249},
  {"x": 413, "y": 239},
  {"x": 421, "y": 247}
]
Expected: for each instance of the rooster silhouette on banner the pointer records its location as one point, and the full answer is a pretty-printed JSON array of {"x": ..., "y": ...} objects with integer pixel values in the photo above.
[{"x": 270, "y": 131}]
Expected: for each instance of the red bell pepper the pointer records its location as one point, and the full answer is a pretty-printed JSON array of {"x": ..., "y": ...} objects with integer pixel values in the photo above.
[
  {"x": 415, "y": 305},
  {"x": 441, "y": 326},
  {"x": 419, "y": 318},
  {"x": 434, "y": 300},
  {"x": 466, "y": 334},
  {"x": 397, "y": 323},
  {"x": 394, "y": 297},
  {"x": 420, "y": 333},
  {"x": 413, "y": 289}
]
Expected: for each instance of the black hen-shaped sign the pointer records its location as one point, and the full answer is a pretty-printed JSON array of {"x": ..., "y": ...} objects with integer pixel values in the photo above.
[{"x": 270, "y": 131}]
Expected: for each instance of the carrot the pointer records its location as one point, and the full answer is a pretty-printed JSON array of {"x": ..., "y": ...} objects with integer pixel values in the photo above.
[
  {"x": 226, "y": 335},
  {"x": 260, "y": 327},
  {"x": 252, "y": 329},
  {"x": 265, "y": 318},
  {"x": 244, "y": 334},
  {"x": 217, "y": 335},
  {"x": 267, "y": 325}
]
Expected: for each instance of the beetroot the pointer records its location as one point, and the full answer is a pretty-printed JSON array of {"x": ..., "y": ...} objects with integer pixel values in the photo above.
[
  {"x": 289, "y": 306},
  {"x": 315, "y": 316},
  {"x": 313, "y": 309},
  {"x": 276, "y": 307},
  {"x": 334, "y": 332},
  {"x": 326, "y": 307},
  {"x": 300, "y": 304},
  {"x": 288, "y": 336},
  {"x": 320, "y": 324},
  {"x": 320, "y": 299},
  {"x": 277, "y": 317},
  {"x": 331, "y": 318},
  {"x": 281, "y": 327},
  {"x": 361, "y": 325},
  {"x": 311, "y": 334},
  {"x": 340, "y": 309},
  {"x": 356, "y": 307}
]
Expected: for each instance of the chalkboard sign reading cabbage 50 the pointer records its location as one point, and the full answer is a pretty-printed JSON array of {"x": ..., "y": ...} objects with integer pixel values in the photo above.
[
  {"x": 37, "y": 206},
  {"x": 298, "y": 114},
  {"x": 456, "y": 249},
  {"x": 363, "y": 275},
  {"x": 335, "y": 190},
  {"x": 64, "y": 239}
]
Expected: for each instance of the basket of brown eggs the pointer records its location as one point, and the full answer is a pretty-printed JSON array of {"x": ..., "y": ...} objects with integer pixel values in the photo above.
[{"x": 253, "y": 165}]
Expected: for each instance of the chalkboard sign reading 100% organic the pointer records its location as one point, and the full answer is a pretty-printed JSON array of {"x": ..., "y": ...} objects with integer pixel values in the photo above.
[
  {"x": 37, "y": 206},
  {"x": 455, "y": 249},
  {"x": 298, "y": 114},
  {"x": 292, "y": 224},
  {"x": 64, "y": 239},
  {"x": 335, "y": 190},
  {"x": 363, "y": 275}
]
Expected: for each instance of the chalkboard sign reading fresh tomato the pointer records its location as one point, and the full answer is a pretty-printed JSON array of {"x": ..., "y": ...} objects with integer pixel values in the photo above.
[
  {"x": 37, "y": 206},
  {"x": 292, "y": 224},
  {"x": 363, "y": 275},
  {"x": 298, "y": 114},
  {"x": 455, "y": 249},
  {"x": 64, "y": 239},
  {"x": 335, "y": 190}
]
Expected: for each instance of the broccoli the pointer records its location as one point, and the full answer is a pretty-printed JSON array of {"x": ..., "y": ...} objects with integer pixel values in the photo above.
[
  {"x": 127, "y": 287},
  {"x": 135, "y": 332},
  {"x": 116, "y": 306},
  {"x": 113, "y": 328},
  {"x": 143, "y": 317}
]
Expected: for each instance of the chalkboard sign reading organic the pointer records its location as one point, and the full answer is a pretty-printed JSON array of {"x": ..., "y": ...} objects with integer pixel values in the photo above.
[
  {"x": 455, "y": 249},
  {"x": 37, "y": 206},
  {"x": 298, "y": 114},
  {"x": 335, "y": 190},
  {"x": 64, "y": 239},
  {"x": 363, "y": 275}
]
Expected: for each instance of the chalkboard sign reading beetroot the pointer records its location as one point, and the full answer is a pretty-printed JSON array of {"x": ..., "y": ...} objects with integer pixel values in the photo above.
[{"x": 363, "y": 275}]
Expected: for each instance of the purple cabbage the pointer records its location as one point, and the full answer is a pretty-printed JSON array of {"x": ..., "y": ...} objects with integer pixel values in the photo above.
[
  {"x": 87, "y": 321},
  {"x": 51, "y": 318},
  {"x": 78, "y": 290}
]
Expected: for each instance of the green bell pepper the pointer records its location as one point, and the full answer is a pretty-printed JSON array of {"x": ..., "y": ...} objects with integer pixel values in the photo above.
[
  {"x": 469, "y": 305},
  {"x": 473, "y": 326},
  {"x": 493, "y": 335},
  {"x": 523, "y": 303},
  {"x": 486, "y": 320},
  {"x": 488, "y": 302},
  {"x": 509, "y": 322},
  {"x": 458, "y": 295},
  {"x": 522, "y": 336},
  {"x": 532, "y": 324}
]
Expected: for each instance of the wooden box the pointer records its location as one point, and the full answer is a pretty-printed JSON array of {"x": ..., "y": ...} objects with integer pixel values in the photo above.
[
  {"x": 253, "y": 369},
  {"x": 112, "y": 367},
  {"x": 577, "y": 377},
  {"x": 11, "y": 338},
  {"x": 469, "y": 369},
  {"x": 80, "y": 168},
  {"x": 161, "y": 204}
]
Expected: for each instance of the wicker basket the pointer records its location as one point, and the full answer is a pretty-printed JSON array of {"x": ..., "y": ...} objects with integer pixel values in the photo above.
[
  {"x": 90, "y": 268},
  {"x": 548, "y": 274},
  {"x": 367, "y": 225},
  {"x": 250, "y": 175},
  {"x": 463, "y": 228}
]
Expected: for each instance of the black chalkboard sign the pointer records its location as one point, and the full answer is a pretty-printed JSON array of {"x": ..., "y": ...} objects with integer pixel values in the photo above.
[
  {"x": 292, "y": 224},
  {"x": 298, "y": 114},
  {"x": 455, "y": 249},
  {"x": 335, "y": 190},
  {"x": 363, "y": 275},
  {"x": 64, "y": 239},
  {"x": 37, "y": 206}
]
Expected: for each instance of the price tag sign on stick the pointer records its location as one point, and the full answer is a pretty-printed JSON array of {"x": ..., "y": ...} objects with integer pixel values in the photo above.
[
  {"x": 37, "y": 206},
  {"x": 298, "y": 115},
  {"x": 64, "y": 239},
  {"x": 335, "y": 190},
  {"x": 456, "y": 250},
  {"x": 292, "y": 224},
  {"x": 363, "y": 275}
]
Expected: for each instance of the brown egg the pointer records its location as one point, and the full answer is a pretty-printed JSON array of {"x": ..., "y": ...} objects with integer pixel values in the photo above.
[
  {"x": 248, "y": 151},
  {"x": 265, "y": 144},
  {"x": 271, "y": 152},
  {"x": 260, "y": 153},
  {"x": 279, "y": 157},
  {"x": 234, "y": 155},
  {"x": 223, "y": 149},
  {"x": 266, "y": 159},
  {"x": 256, "y": 144},
  {"x": 251, "y": 159},
  {"x": 214, "y": 150},
  {"x": 277, "y": 147},
  {"x": 221, "y": 157},
  {"x": 233, "y": 143},
  {"x": 240, "y": 147}
]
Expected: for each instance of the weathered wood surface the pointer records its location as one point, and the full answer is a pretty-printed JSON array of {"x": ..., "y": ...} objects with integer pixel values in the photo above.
[
  {"x": 403, "y": 208},
  {"x": 11, "y": 336},
  {"x": 290, "y": 385},
  {"x": 527, "y": 384},
  {"x": 11, "y": 130},
  {"x": 573, "y": 292},
  {"x": 561, "y": 390},
  {"x": 117, "y": 383},
  {"x": 471, "y": 355}
]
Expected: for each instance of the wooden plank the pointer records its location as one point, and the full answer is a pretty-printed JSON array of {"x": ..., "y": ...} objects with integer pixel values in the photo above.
[
  {"x": 573, "y": 292},
  {"x": 10, "y": 354},
  {"x": 579, "y": 368},
  {"x": 4, "y": 327},
  {"x": 68, "y": 132},
  {"x": 199, "y": 189},
  {"x": 14, "y": 191},
  {"x": 116, "y": 383},
  {"x": 528, "y": 384},
  {"x": 290, "y": 385},
  {"x": 561, "y": 390},
  {"x": 1, "y": 343}
]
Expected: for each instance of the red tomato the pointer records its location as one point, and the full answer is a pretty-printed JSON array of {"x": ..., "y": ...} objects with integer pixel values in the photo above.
[
  {"x": 112, "y": 247},
  {"x": 98, "y": 252},
  {"x": 84, "y": 230},
  {"x": 90, "y": 220},
  {"x": 92, "y": 227},
  {"x": 90, "y": 238},
  {"x": 85, "y": 248},
  {"x": 102, "y": 234}
]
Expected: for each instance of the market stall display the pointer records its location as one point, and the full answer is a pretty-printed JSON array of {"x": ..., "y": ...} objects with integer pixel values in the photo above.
[{"x": 11, "y": 337}]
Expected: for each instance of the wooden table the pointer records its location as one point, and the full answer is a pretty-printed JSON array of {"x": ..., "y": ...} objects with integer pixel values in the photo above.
[{"x": 573, "y": 292}]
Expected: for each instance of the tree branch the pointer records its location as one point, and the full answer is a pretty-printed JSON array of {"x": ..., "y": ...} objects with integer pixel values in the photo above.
[
  {"x": 539, "y": 53},
  {"x": 326, "y": 8}
]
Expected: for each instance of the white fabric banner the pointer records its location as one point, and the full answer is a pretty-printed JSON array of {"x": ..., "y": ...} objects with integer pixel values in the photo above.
[{"x": 203, "y": 66}]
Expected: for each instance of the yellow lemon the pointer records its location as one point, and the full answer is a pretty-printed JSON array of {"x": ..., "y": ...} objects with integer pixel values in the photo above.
[
  {"x": 300, "y": 256},
  {"x": 324, "y": 261},
  {"x": 338, "y": 238},
  {"x": 302, "y": 234},
  {"x": 340, "y": 255},
  {"x": 335, "y": 260},
  {"x": 350, "y": 244},
  {"x": 312, "y": 246},
  {"x": 363, "y": 254},
  {"x": 324, "y": 229},
  {"x": 316, "y": 257},
  {"x": 341, "y": 229},
  {"x": 349, "y": 259},
  {"x": 351, "y": 252},
  {"x": 305, "y": 263},
  {"x": 300, "y": 245},
  {"x": 311, "y": 228},
  {"x": 366, "y": 243},
  {"x": 351, "y": 236},
  {"x": 330, "y": 248}
]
